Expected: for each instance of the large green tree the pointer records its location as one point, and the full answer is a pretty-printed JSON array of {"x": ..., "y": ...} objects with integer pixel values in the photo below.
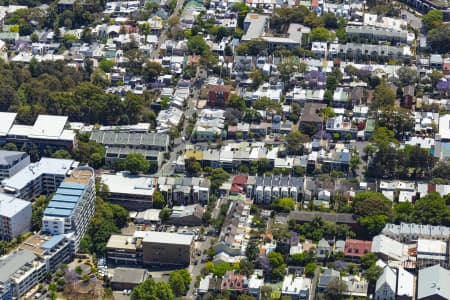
[{"x": 150, "y": 290}]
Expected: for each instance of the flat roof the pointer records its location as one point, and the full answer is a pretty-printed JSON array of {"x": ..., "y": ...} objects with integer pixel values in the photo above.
[
  {"x": 10, "y": 205},
  {"x": 48, "y": 127},
  {"x": 12, "y": 263},
  {"x": 44, "y": 166},
  {"x": 118, "y": 241},
  {"x": 129, "y": 275},
  {"x": 444, "y": 126},
  {"x": 123, "y": 183},
  {"x": 6, "y": 122},
  {"x": 81, "y": 175},
  {"x": 164, "y": 237}
]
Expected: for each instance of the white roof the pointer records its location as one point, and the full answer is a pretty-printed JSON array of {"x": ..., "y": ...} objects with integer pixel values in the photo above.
[
  {"x": 164, "y": 237},
  {"x": 389, "y": 247},
  {"x": 47, "y": 126},
  {"x": 123, "y": 183},
  {"x": 10, "y": 205},
  {"x": 6, "y": 122},
  {"x": 405, "y": 286},
  {"x": 44, "y": 166},
  {"x": 431, "y": 247},
  {"x": 21, "y": 130},
  {"x": 444, "y": 126}
]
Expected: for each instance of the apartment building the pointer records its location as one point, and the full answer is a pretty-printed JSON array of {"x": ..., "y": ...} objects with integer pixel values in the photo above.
[
  {"x": 19, "y": 272},
  {"x": 132, "y": 140},
  {"x": 379, "y": 34},
  {"x": 28, "y": 266},
  {"x": 12, "y": 162},
  {"x": 15, "y": 216},
  {"x": 72, "y": 206},
  {"x": 409, "y": 232},
  {"x": 267, "y": 188},
  {"x": 40, "y": 178}
]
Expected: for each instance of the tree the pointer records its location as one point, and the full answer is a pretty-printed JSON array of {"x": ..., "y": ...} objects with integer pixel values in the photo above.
[
  {"x": 217, "y": 178},
  {"x": 237, "y": 102},
  {"x": 432, "y": 19},
  {"x": 372, "y": 225},
  {"x": 355, "y": 161},
  {"x": 372, "y": 274},
  {"x": 383, "y": 137},
  {"x": 403, "y": 212},
  {"x": 64, "y": 154},
  {"x": 407, "y": 75},
  {"x": 266, "y": 292},
  {"x": 164, "y": 214},
  {"x": 179, "y": 282},
  {"x": 284, "y": 204},
  {"x": 135, "y": 163},
  {"x": 151, "y": 70},
  {"x": 371, "y": 203},
  {"x": 197, "y": 45},
  {"x": 442, "y": 169},
  {"x": 106, "y": 65},
  {"x": 320, "y": 34},
  {"x": 439, "y": 38},
  {"x": 265, "y": 103},
  {"x": 158, "y": 199},
  {"x": 192, "y": 166},
  {"x": 431, "y": 209},
  {"x": 252, "y": 251},
  {"x": 151, "y": 290},
  {"x": 336, "y": 287},
  {"x": 294, "y": 142},
  {"x": 10, "y": 147},
  {"x": 368, "y": 260},
  {"x": 310, "y": 269},
  {"x": 384, "y": 96},
  {"x": 257, "y": 78},
  {"x": 246, "y": 267}
]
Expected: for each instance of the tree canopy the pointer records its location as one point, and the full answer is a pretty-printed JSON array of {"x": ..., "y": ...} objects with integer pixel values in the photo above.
[{"x": 150, "y": 290}]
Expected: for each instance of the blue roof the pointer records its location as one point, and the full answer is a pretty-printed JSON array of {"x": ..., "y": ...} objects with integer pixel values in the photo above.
[
  {"x": 63, "y": 205},
  {"x": 57, "y": 212},
  {"x": 65, "y": 198},
  {"x": 72, "y": 185},
  {"x": 72, "y": 192},
  {"x": 51, "y": 243}
]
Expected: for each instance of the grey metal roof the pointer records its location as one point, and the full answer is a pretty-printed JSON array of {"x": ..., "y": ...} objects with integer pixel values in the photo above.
[
  {"x": 129, "y": 275},
  {"x": 8, "y": 157},
  {"x": 12, "y": 263},
  {"x": 433, "y": 281}
]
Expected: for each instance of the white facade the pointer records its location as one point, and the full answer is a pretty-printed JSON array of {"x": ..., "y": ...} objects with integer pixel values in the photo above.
[{"x": 15, "y": 216}]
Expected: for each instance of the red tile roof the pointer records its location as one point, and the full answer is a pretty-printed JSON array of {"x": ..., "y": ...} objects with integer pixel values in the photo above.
[
  {"x": 357, "y": 248},
  {"x": 240, "y": 180}
]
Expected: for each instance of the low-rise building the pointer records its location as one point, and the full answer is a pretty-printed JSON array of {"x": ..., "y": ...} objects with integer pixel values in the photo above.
[
  {"x": 127, "y": 278},
  {"x": 432, "y": 283},
  {"x": 298, "y": 288}
]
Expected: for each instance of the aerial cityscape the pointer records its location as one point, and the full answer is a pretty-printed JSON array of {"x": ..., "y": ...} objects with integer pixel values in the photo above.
[{"x": 225, "y": 150}]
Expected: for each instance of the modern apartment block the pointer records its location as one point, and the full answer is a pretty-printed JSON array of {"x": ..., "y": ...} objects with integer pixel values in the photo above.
[
  {"x": 40, "y": 178},
  {"x": 12, "y": 162},
  {"x": 72, "y": 206},
  {"x": 15, "y": 216},
  {"x": 28, "y": 266}
]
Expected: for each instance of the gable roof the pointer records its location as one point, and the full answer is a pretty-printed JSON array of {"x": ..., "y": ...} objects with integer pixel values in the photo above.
[{"x": 433, "y": 281}]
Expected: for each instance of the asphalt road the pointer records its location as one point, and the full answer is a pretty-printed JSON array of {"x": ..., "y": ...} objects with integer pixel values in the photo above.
[{"x": 195, "y": 270}]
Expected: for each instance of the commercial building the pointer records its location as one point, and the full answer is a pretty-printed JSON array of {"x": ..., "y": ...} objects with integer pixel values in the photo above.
[
  {"x": 163, "y": 248},
  {"x": 72, "y": 206},
  {"x": 131, "y": 191},
  {"x": 12, "y": 162},
  {"x": 15, "y": 216},
  {"x": 42, "y": 177},
  {"x": 46, "y": 131},
  {"x": 150, "y": 248},
  {"x": 127, "y": 278}
]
